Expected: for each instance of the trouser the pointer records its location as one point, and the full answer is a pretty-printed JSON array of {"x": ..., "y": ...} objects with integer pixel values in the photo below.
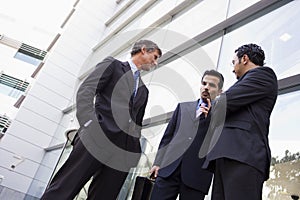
[
  {"x": 77, "y": 171},
  {"x": 170, "y": 187},
  {"x": 234, "y": 180}
]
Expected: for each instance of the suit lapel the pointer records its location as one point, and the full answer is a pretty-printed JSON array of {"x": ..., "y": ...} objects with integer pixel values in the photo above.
[
  {"x": 129, "y": 76},
  {"x": 192, "y": 110}
]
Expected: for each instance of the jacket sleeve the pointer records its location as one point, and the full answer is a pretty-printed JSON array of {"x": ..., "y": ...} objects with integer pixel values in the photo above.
[
  {"x": 257, "y": 84},
  {"x": 95, "y": 81}
]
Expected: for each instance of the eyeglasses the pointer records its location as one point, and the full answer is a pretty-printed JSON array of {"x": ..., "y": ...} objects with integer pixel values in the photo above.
[{"x": 234, "y": 62}]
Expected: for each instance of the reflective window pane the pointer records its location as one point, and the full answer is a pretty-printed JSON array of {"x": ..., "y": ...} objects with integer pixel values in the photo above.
[
  {"x": 279, "y": 38},
  {"x": 236, "y": 6},
  {"x": 285, "y": 147}
]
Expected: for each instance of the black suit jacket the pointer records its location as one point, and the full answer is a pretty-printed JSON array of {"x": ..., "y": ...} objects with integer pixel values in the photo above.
[
  {"x": 241, "y": 118},
  {"x": 180, "y": 144},
  {"x": 105, "y": 98}
]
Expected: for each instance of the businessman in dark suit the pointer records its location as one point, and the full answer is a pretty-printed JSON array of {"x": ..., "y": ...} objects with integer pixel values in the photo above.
[
  {"x": 239, "y": 153},
  {"x": 177, "y": 166},
  {"x": 110, "y": 104}
]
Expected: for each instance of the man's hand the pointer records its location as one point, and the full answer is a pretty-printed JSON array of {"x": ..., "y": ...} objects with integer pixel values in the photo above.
[
  {"x": 154, "y": 171},
  {"x": 205, "y": 108}
]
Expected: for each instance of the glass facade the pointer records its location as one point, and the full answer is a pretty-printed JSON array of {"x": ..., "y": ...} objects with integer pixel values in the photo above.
[{"x": 278, "y": 38}]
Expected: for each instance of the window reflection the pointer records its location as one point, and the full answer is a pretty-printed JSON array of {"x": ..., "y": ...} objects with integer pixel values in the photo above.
[
  {"x": 236, "y": 6},
  {"x": 279, "y": 38},
  {"x": 284, "y": 142},
  {"x": 284, "y": 125}
]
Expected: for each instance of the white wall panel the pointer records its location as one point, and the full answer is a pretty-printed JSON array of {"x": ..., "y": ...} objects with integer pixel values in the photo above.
[
  {"x": 60, "y": 73},
  {"x": 69, "y": 64},
  {"x": 78, "y": 50},
  {"x": 56, "y": 85},
  {"x": 35, "y": 121},
  {"x": 16, "y": 181},
  {"x": 31, "y": 133},
  {"x": 22, "y": 148},
  {"x": 84, "y": 25},
  {"x": 46, "y": 95},
  {"x": 26, "y": 167},
  {"x": 73, "y": 50},
  {"x": 43, "y": 109}
]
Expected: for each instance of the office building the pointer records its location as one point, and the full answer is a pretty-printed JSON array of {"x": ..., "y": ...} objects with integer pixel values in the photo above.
[{"x": 194, "y": 35}]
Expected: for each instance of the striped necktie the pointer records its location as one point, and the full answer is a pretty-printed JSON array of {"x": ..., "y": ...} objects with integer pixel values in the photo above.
[
  {"x": 136, "y": 81},
  {"x": 198, "y": 110}
]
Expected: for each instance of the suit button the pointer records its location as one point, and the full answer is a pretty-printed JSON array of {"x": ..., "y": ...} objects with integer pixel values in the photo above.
[
  {"x": 190, "y": 138},
  {"x": 129, "y": 121}
]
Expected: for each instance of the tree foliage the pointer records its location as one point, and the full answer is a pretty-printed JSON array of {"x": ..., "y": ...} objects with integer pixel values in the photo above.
[{"x": 284, "y": 177}]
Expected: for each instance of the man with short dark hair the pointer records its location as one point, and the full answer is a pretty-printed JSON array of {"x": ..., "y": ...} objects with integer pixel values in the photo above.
[
  {"x": 177, "y": 166},
  {"x": 240, "y": 154},
  {"x": 107, "y": 144}
]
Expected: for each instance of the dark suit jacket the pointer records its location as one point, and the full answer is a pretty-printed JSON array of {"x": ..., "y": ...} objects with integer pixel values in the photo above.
[
  {"x": 180, "y": 145},
  {"x": 245, "y": 107},
  {"x": 119, "y": 115}
]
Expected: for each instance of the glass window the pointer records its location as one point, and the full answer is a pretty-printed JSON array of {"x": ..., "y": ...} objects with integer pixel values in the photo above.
[
  {"x": 4, "y": 123},
  {"x": 284, "y": 123},
  {"x": 179, "y": 80},
  {"x": 200, "y": 18},
  {"x": 279, "y": 38},
  {"x": 236, "y": 6},
  {"x": 175, "y": 82},
  {"x": 30, "y": 54},
  {"x": 27, "y": 58},
  {"x": 150, "y": 143},
  {"x": 9, "y": 91},
  {"x": 12, "y": 86},
  {"x": 285, "y": 147}
]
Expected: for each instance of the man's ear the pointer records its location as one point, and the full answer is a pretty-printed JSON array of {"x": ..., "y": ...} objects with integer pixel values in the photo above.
[
  {"x": 143, "y": 49},
  {"x": 245, "y": 59}
]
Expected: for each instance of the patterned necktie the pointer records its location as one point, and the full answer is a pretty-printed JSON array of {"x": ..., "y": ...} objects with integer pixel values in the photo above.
[
  {"x": 136, "y": 81},
  {"x": 198, "y": 110}
]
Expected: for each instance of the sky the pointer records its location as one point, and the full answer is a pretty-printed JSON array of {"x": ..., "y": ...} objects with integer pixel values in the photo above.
[{"x": 35, "y": 22}]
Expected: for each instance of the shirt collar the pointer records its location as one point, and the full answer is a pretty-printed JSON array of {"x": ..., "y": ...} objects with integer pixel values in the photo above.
[
  {"x": 132, "y": 66},
  {"x": 200, "y": 101}
]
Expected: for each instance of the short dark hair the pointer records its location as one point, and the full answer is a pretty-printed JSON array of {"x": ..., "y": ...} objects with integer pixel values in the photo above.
[
  {"x": 148, "y": 44},
  {"x": 216, "y": 74},
  {"x": 253, "y": 51}
]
